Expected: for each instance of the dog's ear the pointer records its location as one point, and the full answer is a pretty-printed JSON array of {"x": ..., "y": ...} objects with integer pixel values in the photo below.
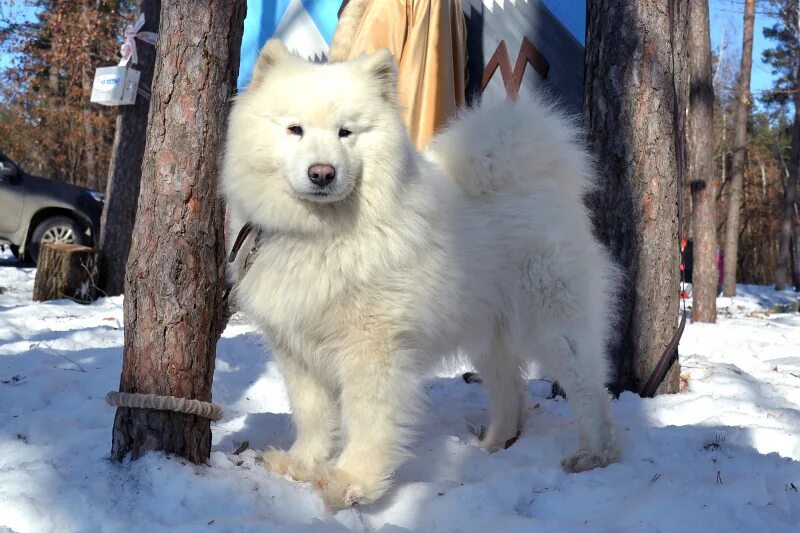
[
  {"x": 380, "y": 67},
  {"x": 271, "y": 54}
]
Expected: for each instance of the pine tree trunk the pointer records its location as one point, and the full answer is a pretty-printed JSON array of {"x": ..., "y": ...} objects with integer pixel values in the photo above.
[
  {"x": 739, "y": 146},
  {"x": 700, "y": 149},
  {"x": 125, "y": 170},
  {"x": 783, "y": 274},
  {"x": 634, "y": 97},
  {"x": 174, "y": 280}
]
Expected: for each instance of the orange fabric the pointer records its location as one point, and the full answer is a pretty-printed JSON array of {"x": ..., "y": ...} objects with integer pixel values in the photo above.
[{"x": 429, "y": 42}]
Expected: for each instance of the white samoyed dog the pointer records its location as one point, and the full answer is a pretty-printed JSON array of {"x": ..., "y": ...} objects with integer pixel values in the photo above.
[{"x": 374, "y": 260}]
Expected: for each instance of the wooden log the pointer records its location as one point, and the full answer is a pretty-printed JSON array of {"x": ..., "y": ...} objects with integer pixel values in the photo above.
[{"x": 66, "y": 271}]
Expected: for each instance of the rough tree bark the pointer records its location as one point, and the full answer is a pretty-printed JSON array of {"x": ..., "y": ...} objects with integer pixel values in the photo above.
[
  {"x": 89, "y": 146},
  {"x": 796, "y": 256},
  {"x": 125, "y": 170},
  {"x": 783, "y": 273},
  {"x": 700, "y": 151},
  {"x": 90, "y": 142},
  {"x": 634, "y": 95},
  {"x": 739, "y": 146},
  {"x": 175, "y": 272},
  {"x": 65, "y": 271}
]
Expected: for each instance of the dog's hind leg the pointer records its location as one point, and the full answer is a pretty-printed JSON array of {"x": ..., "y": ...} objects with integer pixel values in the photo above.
[
  {"x": 315, "y": 417},
  {"x": 501, "y": 373},
  {"x": 581, "y": 373}
]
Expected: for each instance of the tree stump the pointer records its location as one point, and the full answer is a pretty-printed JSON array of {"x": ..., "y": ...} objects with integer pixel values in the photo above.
[{"x": 66, "y": 271}]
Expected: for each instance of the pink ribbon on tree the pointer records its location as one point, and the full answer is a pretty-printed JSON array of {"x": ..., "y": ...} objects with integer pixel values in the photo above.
[{"x": 128, "y": 50}]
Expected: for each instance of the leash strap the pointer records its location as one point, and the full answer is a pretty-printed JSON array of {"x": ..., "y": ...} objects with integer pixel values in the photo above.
[
  {"x": 237, "y": 244},
  {"x": 245, "y": 232}
]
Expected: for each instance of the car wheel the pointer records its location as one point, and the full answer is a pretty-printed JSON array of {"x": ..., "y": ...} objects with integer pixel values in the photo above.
[{"x": 62, "y": 230}]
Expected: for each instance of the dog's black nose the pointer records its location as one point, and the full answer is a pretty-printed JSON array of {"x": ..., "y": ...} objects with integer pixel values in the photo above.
[{"x": 321, "y": 175}]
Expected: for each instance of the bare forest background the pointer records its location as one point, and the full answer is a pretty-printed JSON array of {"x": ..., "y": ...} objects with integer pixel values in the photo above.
[{"x": 48, "y": 125}]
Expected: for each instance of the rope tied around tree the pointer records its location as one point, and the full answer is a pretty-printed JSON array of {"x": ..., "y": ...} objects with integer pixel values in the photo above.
[
  {"x": 136, "y": 400},
  {"x": 210, "y": 410}
]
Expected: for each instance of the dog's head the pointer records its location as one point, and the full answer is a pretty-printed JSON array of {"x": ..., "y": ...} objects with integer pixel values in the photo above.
[{"x": 306, "y": 141}]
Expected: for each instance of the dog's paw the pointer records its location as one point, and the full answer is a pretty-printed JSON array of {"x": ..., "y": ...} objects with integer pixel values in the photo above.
[
  {"x": 286, "y": 464},
  {"x": 495, "y": 444},
  {"x": 496, "y": 438},
  {"x": 585, "y": 460},
  {"x": 341, "y": 489}
]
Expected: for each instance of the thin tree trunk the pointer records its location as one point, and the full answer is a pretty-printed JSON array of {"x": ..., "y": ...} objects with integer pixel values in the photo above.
[
  {"x": 724, "y": 174},
  {"x": 634, "y": 97},
  {"x": 89, "y": 141},
  {"x": 125, "y": 170},
  {"x": 55, "y": 99},
  {"x": 174, "y": 280},
  {"x": 783, "y": 274},
  {"x": 739, "y": 146},
  {"x": 796, "y": 259},
  {"x": 52, "y": 81},
  {"x": 700, "y": 148}
]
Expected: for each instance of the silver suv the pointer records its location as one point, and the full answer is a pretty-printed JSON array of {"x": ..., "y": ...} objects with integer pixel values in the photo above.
[{"x": 36, "y": 210}]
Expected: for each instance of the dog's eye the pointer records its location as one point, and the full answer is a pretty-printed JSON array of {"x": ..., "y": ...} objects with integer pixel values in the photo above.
[
  {"x": 344, "y": 132},
  {"x": 295, "y": 130}
]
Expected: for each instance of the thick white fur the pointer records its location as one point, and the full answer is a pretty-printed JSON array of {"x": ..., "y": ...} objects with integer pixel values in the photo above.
[{"x": 482, "y": 245}]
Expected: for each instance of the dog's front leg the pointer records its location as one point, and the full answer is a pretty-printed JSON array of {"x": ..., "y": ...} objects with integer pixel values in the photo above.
[
  {"x": 315, "y": 417},
  {"x": 379, "y": 401}
]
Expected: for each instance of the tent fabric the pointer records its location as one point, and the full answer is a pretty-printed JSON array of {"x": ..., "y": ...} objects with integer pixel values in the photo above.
[
  {"x": 499, "y": 29},
  {"x": 311, "y": 23},
  {"x": 554, "y": 28},
  {"x": 428, "y": 40},
  {"x": 305, "y": 26}
]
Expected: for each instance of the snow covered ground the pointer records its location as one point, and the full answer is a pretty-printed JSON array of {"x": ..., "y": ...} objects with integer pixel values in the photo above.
[{"x": 722, "y": 456}]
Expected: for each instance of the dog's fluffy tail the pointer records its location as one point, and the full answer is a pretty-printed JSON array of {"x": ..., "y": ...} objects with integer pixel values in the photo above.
[{"x": 503, "y": 146}]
